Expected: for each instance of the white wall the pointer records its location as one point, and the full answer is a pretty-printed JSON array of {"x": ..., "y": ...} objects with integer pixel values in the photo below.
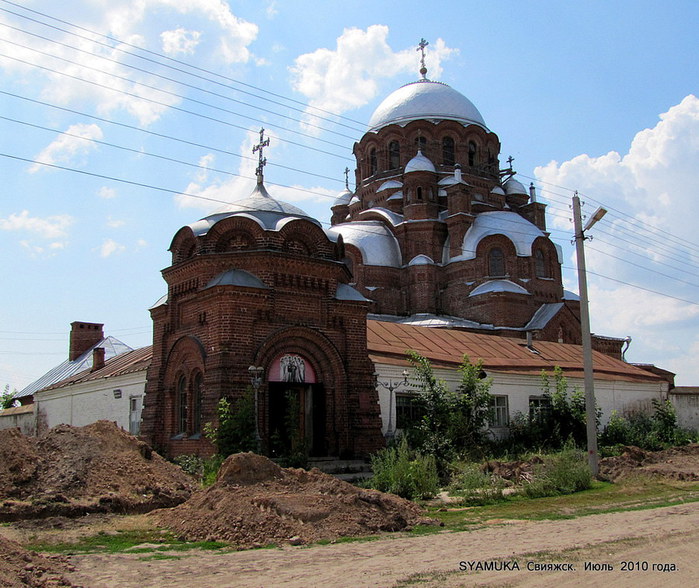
[
  {"x": 87, "y": 402},
  {"x": 611, "y": 395},
  {"x": 687, "y": 409},
  {"x": 20, "y": 417}
]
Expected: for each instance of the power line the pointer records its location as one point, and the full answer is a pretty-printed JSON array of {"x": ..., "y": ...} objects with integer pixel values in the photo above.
[
  {"x": 179, "y": 109},
  {"x": 361, "y": 125},
  {"x": 160, "y": 76}
]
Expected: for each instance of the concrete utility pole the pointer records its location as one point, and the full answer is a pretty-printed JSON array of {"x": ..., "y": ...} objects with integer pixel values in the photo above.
[{"x": 590, "y": 404}]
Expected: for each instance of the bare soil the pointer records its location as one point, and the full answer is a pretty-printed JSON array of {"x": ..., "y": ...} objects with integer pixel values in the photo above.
[
  {"x": 677, "y": 463},
  {"x": 71, "y": 471},
  {"x": 254, "y": 502}
]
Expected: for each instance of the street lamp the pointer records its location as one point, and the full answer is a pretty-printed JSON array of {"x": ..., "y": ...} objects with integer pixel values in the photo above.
[
  {"x": 590, "y": 406},
  {"x": 255, "y": 374},
  {"x": 392, "y": 385}
]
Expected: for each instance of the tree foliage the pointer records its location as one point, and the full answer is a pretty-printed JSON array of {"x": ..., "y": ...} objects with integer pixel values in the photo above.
[
  {"x": 235, "y": 432},
  {"x": 7, "y": 399},
  {"x": 453, "y": 423}
]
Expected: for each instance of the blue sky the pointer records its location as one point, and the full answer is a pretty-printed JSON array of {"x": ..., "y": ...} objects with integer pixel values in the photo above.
[{"x": 593, "y": 96}]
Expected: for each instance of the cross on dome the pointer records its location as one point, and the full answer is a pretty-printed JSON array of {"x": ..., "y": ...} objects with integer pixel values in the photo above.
[
  {"x": 421, "y": 47},
  {"x": 262, "y": 161},
  {"x": 347, "y": 171}
]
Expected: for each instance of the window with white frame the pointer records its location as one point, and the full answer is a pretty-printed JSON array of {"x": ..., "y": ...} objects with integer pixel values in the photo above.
[
  {"x": 539, "y": 407},
  {"x": 500, "y": 416}
]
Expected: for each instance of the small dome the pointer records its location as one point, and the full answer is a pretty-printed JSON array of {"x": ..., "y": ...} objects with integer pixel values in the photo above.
[
  {"x": 374, "y": 239},
  {"x": 425, "y": 99},
  {"x": 343, "y": 198},
  {"x": 390, "y": 184},
  {"x": 498, "y": 286},
  {"x": 512, "y": 186},
  {"x": 516, "y": 228},
  {"x": 498, "y": 190},
  {"x": 260, "y": 201},
  {"x": 270, "y": 213},
  {"x": 236, "y": 277},
  {"x": 419, "y": 163}
]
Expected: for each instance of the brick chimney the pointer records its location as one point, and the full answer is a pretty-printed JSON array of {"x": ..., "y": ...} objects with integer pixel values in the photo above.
[
  {"x": 97, "y": 359},
  {"x": 82, "y": 337}
]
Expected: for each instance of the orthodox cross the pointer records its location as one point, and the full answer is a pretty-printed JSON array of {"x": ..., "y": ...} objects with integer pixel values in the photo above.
[
  {"x": 421, "y": 48},
  {"x": 510, "y": 159},
  {"x": 262, "y": 161},
  {"x": 347, "y": 171}
]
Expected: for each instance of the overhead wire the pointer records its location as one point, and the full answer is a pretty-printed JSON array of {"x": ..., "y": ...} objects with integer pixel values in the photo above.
[
  {"x": 361, "y": 127},
  {"x": 224, "y": 122}
]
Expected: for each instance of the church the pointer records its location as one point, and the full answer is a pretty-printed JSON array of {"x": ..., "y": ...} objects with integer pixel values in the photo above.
[
  {"x": 439, "y": 249},
  {"x": 436, "y": 236}
]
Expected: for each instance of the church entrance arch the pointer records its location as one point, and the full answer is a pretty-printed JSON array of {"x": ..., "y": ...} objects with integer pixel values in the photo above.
[{"x": 296, "y": 407}]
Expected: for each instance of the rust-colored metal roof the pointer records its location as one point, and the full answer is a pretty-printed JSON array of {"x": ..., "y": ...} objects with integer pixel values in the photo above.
[
  {"x": 125, "y": 363},
  {"x": 388, "y": 343}
]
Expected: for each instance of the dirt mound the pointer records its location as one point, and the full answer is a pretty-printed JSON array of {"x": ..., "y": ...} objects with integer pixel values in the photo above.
[
  {"x": 678, "y": 463},
  {"x": 254, "y": 502},
  {"x": 19, "y": 567},
  {"x": 515, "y": 472},
  {"x": 71, "y": 471}
]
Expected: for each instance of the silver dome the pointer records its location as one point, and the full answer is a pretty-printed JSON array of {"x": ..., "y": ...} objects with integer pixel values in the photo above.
[{"x": 425, "y": 99}]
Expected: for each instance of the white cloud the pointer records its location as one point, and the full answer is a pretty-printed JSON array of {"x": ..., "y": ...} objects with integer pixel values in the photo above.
[
  {"x": 180, "y": 41},
  {"x": 348, "y": 77},
  {"x": 222, "y": 36},
  {"x": 75, "y": 142},
  {"x": 208, "y": 193},
  {"x": 107, "y": 193},
  {"x": 271, "y": 10},
  {"x": 110, "y": 247},
  {"x": 50, "y": 227},
  {"x": 115, "y": 223},
  {"x": 649, "y": 237}
]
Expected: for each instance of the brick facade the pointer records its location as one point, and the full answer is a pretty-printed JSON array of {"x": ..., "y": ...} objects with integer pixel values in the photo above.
[{"x": 242, "y": 295}]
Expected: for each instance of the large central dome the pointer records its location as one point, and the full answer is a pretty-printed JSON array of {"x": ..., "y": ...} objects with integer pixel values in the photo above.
[{"x": 425, "y": 99}]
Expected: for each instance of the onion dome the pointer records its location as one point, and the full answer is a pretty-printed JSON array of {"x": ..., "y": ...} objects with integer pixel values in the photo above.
[
  {"x": 343, "y": 198},
  {"x": 419, "y": 163},
  {"x": 425, "y": 99},
  {"x": 512, "y": 186}
]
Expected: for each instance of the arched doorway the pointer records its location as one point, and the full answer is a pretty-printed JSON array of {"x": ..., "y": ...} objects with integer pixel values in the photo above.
[{"x": 296, "y": 414}]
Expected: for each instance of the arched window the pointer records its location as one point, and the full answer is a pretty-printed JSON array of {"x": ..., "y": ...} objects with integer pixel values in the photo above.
[
  {"x": 181, "y": 405},
  {"x": 197, "y": 393},
  {"x": 496, "y": 262},
  {"x": 421, "y": 143},
  {"x": 373, "y": 163},
  {"x": 540, "y": 267},
  {"x": 472, "y": 154},
  {"x": 394, "y": 155},
  {"x": 448, "y": 151},
  {"x": 419, "y": 193}
]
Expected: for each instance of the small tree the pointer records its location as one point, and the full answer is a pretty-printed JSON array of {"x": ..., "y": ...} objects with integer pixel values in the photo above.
[
  {"x": 7, "y": 399},
  {"x": 235, "y": 432},
  {"x": 452, "y": 423}
]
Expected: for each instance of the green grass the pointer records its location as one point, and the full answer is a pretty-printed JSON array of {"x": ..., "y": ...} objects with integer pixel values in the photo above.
[
  {"x": 603, "y": 497},
  {"x": 122, "y": 541}
]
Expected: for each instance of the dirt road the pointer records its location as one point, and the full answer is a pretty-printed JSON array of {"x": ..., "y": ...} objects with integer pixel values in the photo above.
[{"x": 660, "y": 546}]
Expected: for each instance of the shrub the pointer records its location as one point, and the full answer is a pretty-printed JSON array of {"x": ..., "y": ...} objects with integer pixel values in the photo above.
[
  {"x": 475, "y": 486},
  {"x": 561, "y": 473},
  {"x": 235, "y": 432},
  {"x": 405, "y": 473},
  {"x": 651, "y": 432},
  {"x": 452, "y": 423}
]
